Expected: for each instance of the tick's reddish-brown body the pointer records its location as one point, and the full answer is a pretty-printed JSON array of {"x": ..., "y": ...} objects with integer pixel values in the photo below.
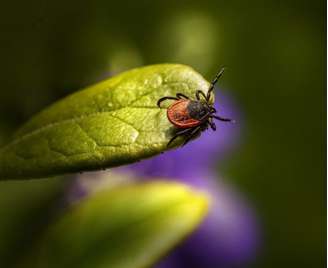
[{"x": 179, "y": 115}]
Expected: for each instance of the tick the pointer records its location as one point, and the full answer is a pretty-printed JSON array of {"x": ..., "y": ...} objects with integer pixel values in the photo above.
[{"x": 191, "y": 117}]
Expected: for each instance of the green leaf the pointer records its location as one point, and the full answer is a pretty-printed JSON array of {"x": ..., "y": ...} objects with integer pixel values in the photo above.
[
  {"x": 126, "y": 227},
  {"x": 112, "y": 123}
]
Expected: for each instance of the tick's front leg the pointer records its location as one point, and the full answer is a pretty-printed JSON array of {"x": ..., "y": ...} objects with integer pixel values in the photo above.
[{"x": 165, "y": 98}]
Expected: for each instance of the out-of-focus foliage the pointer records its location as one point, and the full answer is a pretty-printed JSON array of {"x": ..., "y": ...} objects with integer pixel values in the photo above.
[
  {"x": 114, "y": 122},
  {"x": 26, "y": 207},
  {"x": 190, "y": 37},
  {"x": 129, "y": 226},
  {"x": 275, "y": 51}
]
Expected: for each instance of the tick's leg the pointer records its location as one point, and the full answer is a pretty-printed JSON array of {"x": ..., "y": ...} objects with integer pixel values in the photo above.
[
  {"x": 192, "y": 134},
  {"x": 198, "y": 93},
  {"x": 205, "y": 117},
  {"x": 223, "y": 119},
  {"x": 212, "y": 124},
  {"x": 180, "y": 96},
  {"x": 165, "y": 98},
  {"x": 217, "y": 77},
  {"x": 179, "y": 133}
]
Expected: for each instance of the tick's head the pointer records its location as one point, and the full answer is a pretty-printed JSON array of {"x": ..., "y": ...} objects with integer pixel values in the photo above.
[
  {"x": 203, "y": 111},
  {"x": 199, "y": 110}
]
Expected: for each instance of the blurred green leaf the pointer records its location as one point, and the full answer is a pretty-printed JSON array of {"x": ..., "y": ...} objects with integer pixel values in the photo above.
[
  {"x": 131, "y": 226},
  {"x": 111, "y": 123}
]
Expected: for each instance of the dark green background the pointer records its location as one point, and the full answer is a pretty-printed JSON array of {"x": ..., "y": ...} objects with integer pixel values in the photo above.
[{"x": 275, "y": 51}]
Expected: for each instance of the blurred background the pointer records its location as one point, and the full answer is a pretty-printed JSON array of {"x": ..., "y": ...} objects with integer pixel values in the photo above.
[{"x": 274, "y": 85}]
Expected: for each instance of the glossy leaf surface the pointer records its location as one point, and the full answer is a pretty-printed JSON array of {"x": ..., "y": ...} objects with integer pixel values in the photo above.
[{"x": 112, "y": 123}]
